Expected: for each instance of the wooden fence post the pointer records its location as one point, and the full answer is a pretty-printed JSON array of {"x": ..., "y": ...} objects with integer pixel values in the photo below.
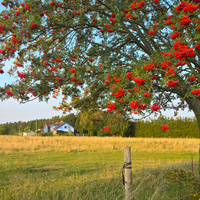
[{"x": 128, "y": 173}]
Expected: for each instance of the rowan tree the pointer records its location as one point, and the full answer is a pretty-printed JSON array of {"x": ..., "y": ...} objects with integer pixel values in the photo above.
[{"x": 124, "y": 56}]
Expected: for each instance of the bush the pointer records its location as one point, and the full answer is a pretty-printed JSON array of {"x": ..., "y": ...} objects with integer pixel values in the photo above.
[{"x": 45, "y": 134}]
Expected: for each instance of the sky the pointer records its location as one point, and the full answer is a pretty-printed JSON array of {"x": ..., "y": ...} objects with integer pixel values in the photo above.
[{"x": 12, "y": 111}]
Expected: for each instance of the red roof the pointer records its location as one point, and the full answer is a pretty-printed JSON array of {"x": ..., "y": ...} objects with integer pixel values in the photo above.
[{"x": 60, "y": 124}]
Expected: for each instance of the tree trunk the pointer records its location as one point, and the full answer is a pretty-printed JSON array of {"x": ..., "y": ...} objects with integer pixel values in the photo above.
[{"x": 194, "y": 104}]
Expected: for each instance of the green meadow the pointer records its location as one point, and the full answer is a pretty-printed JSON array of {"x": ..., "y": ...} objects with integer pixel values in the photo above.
[{"x": 87, "y": 168}]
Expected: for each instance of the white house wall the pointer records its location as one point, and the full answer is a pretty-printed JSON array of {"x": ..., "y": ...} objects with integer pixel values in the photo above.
[
  {"x": 28, "y": 134},
  {"x": 46, "y": 129}
]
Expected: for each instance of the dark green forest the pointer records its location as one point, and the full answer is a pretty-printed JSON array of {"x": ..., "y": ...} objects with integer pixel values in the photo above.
[{"x": 91, "y": 123}]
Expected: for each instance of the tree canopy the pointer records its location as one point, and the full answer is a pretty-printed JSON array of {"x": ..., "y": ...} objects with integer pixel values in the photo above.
[{"x": 129, "y": 57}]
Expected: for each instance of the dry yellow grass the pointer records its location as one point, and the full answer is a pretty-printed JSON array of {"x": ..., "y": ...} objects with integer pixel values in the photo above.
[
  {"x": 92, "y": 168},
  {"x": 10, "y": 144}
]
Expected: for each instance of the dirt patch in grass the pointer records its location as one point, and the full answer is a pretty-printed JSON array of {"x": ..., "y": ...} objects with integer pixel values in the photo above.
[{"x": 47, "y": 167}]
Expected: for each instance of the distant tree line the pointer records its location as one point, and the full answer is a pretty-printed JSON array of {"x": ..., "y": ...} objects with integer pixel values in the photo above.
[
  {"x": 88, "y": 122},
  {"x": 91, "y": 123},
  {"x": 179, "y": 128},
  {"x": 19, "y": 127}
]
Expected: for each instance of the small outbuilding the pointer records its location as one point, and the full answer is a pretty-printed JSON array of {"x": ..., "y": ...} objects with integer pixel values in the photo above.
[
  {"x": 41, "y": 130},
  {"x": 28, "y": 133}
]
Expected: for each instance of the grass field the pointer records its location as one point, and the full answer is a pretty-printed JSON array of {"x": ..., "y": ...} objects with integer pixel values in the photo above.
[{"x": 84, "y": 168}]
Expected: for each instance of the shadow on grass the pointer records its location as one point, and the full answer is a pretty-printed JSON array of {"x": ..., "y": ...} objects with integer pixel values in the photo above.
[
  {"x": 46, "y": 168},
  {"x": 174, "y": 182}
]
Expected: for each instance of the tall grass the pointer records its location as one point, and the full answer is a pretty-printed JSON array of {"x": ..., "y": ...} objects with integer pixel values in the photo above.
[
  {"x": 10, "y": 144},
  {"x": 89, "y": 168}
]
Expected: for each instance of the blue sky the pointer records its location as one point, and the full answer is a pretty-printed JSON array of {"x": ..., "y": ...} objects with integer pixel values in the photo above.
[{"x": 12, "y": 111}]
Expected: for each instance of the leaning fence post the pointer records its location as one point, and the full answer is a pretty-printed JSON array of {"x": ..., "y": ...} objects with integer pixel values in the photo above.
[{"x": 128, "y": 174}]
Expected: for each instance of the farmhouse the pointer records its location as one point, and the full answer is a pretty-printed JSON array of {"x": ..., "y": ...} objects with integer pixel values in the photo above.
[{"x": 58, "y": 127}]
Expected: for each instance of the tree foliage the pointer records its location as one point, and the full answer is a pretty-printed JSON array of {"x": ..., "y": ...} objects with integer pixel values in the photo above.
[
  {"x": 27, "y": 128},
  {"x": 179, "y": 127},
  {"x": 4, "y": 129},
  {"x": 70, "y": 119},
  {"x": 126, "y": 56},
  {"x": 91, "y": 121}
]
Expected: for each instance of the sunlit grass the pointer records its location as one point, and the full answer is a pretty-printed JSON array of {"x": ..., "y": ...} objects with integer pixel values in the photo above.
[
  {"x": 84, "y": 168},
  {"x": 10, "y": 144}
]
